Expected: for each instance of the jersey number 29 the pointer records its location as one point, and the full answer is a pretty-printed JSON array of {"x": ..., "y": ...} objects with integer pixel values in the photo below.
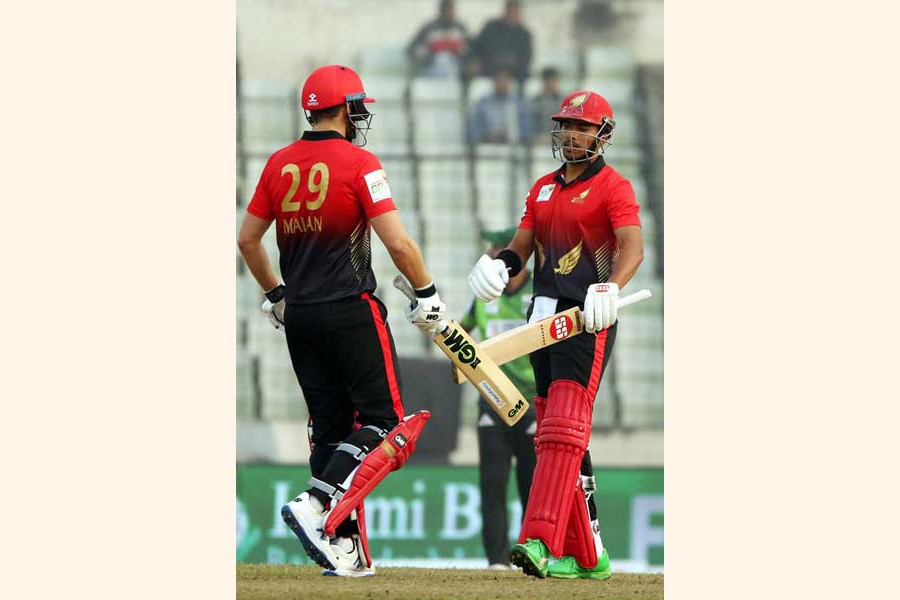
[{"x": 321, "y": 188}]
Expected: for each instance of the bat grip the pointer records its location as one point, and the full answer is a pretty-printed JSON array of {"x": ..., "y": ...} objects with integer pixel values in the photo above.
[
  {"x": 634, "y": 298},
  {"x": 404, "y": 286}
]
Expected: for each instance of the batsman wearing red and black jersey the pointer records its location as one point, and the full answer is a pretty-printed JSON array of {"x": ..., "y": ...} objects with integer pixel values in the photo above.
[
  {"x": 324, "y": 194},
  {"x": 581, "y": 223}
]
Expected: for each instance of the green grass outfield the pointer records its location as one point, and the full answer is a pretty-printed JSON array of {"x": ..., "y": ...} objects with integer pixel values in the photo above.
[{"x": 294, "y": 582}]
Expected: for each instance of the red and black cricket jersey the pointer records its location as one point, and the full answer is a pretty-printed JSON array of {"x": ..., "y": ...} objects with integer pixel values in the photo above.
[
  {"x": 321, "y": 192},
  {"x": 574, "y": 223}
]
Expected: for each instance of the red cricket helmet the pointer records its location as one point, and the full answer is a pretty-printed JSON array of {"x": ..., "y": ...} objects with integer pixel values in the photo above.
[
  {"x": 332, "y": 85},
  {"x": 586, "y": 106}
]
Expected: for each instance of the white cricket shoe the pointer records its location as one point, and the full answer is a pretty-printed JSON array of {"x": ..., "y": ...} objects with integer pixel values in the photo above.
[
  {"x": 349, "y": 563},
  {"x": 308, "y": 525}
]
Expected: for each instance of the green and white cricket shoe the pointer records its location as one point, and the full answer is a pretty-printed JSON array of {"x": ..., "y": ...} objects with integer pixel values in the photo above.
[
  {"x": 567, "y": 568},
  {"x": 533, "y": 557}
]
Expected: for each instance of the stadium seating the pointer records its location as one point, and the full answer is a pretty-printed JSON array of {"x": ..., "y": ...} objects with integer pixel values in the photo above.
[
  {"x": 390, "y": 128},
  {"x": 439, "y": 127},
  {"x": 609, "y": 61},
  {"x": 269, "y": 113},
  {"x": 389, "y": 60}
]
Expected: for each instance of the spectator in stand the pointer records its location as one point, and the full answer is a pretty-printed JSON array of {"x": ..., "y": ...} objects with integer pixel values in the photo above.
[
  {"x": 504, "y": 43},
  {"x": 438, "y": 48},
  {"x": 501, "y": 116},
  {"x": 544, "y": 104}
]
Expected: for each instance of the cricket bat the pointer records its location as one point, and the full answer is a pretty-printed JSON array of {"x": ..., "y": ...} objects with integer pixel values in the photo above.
[
  {"x": 473, "y": 364},
  {"x": 527, "y": 338}
]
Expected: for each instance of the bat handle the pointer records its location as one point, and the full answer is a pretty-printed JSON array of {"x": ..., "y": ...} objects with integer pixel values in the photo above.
[
  {"x": 634, "y": 298},
  {"x": 404, "y": 286}
]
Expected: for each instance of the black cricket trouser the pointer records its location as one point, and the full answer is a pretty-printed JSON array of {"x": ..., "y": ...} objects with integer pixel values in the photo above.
[
  {"x": 497, "y": 444},
  {"x": 344, "y": 357}
]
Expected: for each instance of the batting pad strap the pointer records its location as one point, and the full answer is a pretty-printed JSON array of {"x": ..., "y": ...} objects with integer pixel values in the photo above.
[
  {"x": 382, "y": 433},
  {"x": 357, "y": 453},
  {"x": 333, "y": 491},
  {"x": 588, "y": 485},
  {"x": 389, "y": 456}
]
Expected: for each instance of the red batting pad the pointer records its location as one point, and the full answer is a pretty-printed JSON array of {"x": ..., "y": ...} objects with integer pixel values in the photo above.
[
  {"x": 363, "y": 536},
  {"x": 389, "y": 456},
  {"x": 579, "y": 535},
  {"x": 565, "y": 433},
  {"x": 540, "y": 407}
]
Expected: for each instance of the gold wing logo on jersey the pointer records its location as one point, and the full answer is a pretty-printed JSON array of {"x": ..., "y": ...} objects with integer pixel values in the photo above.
[
  {"x": 579, "y": 199},
  {"x": 540, "y": 255},
  {"x": 569, "y": 260}
]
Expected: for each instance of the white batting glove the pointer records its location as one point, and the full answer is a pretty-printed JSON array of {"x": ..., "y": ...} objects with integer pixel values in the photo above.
[
  {"x": 601, "y": 305},
  {"x": 273, "y": 307},
  {"x": 427, "y": 313},
  {"x": 488, "y": 278}
]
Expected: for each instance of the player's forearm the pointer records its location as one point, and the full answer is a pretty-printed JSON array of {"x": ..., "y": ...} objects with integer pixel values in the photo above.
[
  {"x": 523, "y": 246},
  {"x": 409, "y": 261},
  {"x": 257, "y": 260},
  {"x": 627, "y": 263}
]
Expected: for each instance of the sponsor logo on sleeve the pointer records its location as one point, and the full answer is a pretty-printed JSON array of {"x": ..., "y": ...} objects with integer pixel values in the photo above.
[{"x": 378, "y": 185}]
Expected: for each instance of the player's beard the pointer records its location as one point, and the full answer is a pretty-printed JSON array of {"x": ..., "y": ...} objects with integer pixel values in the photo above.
[
  {"x": 351, "y": 131},
  {"x": 573, "y": 152}
]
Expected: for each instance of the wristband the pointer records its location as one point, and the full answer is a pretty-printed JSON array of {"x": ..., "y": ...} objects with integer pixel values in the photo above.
[
  {"x": 511, "y": 260},
  {"x": 276, "y": 294},
  {"x": 427, "y": 291}
]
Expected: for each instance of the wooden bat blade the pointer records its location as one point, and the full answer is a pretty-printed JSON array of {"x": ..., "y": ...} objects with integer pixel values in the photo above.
[
  {"x": 473, "y": 364},
  {"x": 527, "y": 338}
]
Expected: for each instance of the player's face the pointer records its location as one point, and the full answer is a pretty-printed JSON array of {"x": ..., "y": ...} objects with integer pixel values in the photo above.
[{"x": 577, "y": 138}]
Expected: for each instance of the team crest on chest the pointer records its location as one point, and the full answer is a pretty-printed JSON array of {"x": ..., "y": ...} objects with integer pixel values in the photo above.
[{"x": 579, "y": 199}]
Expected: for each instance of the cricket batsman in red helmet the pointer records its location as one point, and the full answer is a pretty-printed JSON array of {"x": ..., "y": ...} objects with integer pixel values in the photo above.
[
  {"x": 581, "y": 223},
  {"x": 325, "y": 195}
]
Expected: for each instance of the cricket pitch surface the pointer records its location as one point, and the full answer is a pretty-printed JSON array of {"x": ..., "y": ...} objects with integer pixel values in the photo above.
[{"x": 296, "y": 582}]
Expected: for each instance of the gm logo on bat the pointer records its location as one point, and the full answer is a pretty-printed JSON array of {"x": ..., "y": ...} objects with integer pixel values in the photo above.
[
  {"x": 463, "y": 349},
  {"x": 562, "y": 327},
  {"x": 515, "y": 409}
]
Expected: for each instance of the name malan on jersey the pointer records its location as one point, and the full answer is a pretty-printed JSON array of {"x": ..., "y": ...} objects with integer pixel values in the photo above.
[{"x": 301, "y": 224}]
